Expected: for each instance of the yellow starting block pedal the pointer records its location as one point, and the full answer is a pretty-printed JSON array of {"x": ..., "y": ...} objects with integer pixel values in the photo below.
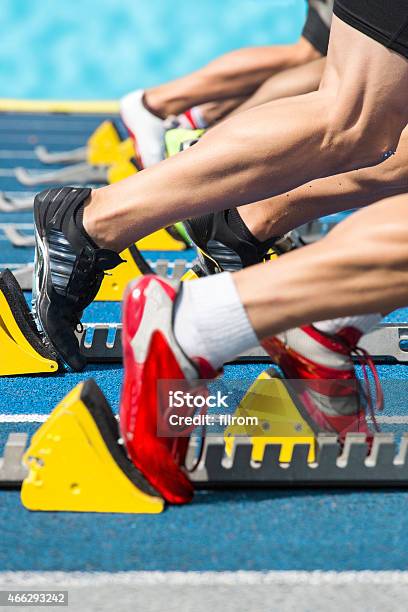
[
  {"x": 76, "y": 464},
  {"x": 122, "y": 168},
  {"x": 114, "y": 284},
  {"x": 193, "y": 274},
  {"x": 279, "y": 419},
  {"x": 21, "y": 348},
  {"x": 106, "y": 146},
  {"x": 166, "y": 239}
]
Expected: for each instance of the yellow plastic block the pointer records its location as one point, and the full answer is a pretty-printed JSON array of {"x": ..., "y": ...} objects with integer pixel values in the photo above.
[
  {"x": 278, "y": 419},
  {"x": 17, "y": 354},
  {"x": 161, "y": 240},
  {"x": 77, "y": 466},
  {"x": 115, "y": 282},
  {"x": 190, "y": 275},
  {"x": 102, "y": 143},
  {"x": 122, "y": 169}
]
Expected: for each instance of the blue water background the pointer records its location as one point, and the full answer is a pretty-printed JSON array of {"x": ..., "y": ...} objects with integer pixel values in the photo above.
[{"x": 101, "y": 49}]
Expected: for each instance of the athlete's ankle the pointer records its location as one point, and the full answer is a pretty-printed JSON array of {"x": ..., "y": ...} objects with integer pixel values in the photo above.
[
  {"x": 210, "y": 321},
  {"x": 94, "y": 224},
  {"x": 157, "y": 103},
  {"x": 256, "y": 222},
  {"x": 153, "y": 105}
]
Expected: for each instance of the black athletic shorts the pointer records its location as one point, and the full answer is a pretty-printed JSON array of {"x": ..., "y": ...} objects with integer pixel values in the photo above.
[
  {"x": 317, "y": 27},
  {"x": 386, "y": 21}
]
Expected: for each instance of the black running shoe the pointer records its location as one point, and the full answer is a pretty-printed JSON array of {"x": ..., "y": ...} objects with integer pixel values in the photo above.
[
  {"x": 220, "y": 249},
  {"x": 68, "y": 270}
]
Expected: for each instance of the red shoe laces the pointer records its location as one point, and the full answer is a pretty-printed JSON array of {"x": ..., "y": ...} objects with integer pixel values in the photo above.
[{"x": 367, "y": 365}]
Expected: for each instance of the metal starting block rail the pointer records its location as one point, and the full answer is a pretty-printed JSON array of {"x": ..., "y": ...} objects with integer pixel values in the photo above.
[
  {"x": 12, "y": 470},
  {"x": 18, "y": 203},
  {"x": 351, "y": 465},
  {"x": 60, "y": 157},
  {"x": 102, "y": 342},
  {"x": 17, "y": 234},
  {"x": 77, "y": 174},
  {"x": 76, "y": 461}
]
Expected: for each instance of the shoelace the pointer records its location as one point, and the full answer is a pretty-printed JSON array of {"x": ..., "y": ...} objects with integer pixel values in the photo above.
[{"x": 367, "y": 365}]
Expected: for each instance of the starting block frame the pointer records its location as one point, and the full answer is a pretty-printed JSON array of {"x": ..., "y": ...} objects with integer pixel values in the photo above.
[
  {"x": 73, "y": 156},
  {"x": 383, "y": 344},
  {"x": 76, "y": 461},
  {"x": 352, "y": 465},
  {"x": 78, "y": 174},
  {"x": 16, "y": 203},
  {"x": 12, "y": 470},
  {"x": 13, "y": 233}
]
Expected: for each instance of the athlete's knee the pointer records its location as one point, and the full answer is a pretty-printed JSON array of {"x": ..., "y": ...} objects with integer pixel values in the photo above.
[
  {"x": 359, "y": 131},
  {"x": 355, "y": 141}
]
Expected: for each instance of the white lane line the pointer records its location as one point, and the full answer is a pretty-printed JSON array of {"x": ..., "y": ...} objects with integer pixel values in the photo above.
[
  {"x": 393, "y": 420},
  {"x": 5, "y": 154},
  {"x": 132, "y": 578},
  {"x": 82, "y": 127},
  {"x": 19, "y": 226},
  {"x": 23, "y": 418},
  {"x": 19, "y": 194}
]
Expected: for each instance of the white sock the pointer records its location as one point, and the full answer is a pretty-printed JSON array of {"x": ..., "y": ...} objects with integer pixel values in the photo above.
[
  {"x": 364, "y": 323},
  {"x": 193, "y": 118},
  {"x": 211, "y": 321},
  {"x": 147, "y": 130}
]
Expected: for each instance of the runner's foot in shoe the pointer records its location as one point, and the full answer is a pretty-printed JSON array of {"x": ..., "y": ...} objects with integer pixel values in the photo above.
[
  {"x": 146, "y": 129},
  {"x": 225, "y": 244},
  {"x": 152, "y": 353},
  {"x": 330, "y": 394},
  {"x": 68, "y": 271}
]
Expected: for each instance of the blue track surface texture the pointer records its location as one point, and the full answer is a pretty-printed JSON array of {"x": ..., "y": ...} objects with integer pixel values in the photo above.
[{"x": 258, "y": 530}]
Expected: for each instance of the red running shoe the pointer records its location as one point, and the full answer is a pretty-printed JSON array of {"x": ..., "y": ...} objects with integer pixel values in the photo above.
[
  {"x": 325, "y": 379},
  {"x": 152, "y": 353}
]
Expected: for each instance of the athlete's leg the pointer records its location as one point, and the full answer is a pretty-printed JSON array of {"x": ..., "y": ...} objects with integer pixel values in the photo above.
[
  {"x": 281, "y": 214},
  {"x": 214, "y": 319},
  {"x": 213, "y": 112},
  {"x": 288, "y": 83},
  {"x": 148, "y": 130},
  {"x": 357, "y": 115},
  {"x": 285, "y": 84},
  {"x": 234, "y": 74},
  {"x": 327, "y": 279}
]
